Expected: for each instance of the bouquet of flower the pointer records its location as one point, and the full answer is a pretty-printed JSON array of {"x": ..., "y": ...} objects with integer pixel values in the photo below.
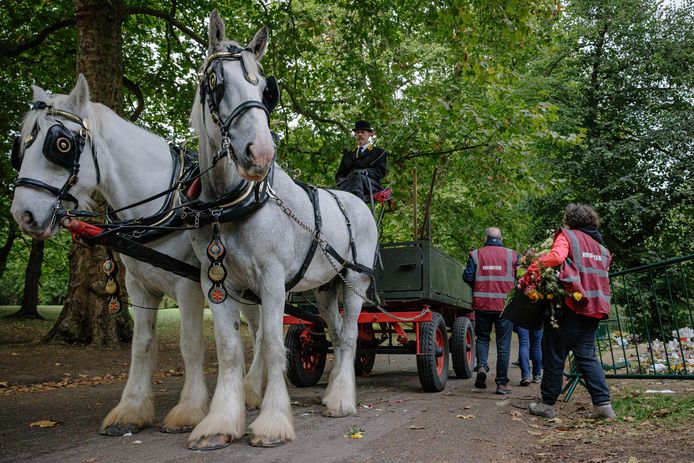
[{"x": 543, "y": 284}]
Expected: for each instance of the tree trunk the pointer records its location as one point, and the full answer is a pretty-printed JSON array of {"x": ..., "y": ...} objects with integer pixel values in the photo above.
[
  {"x": 30, "y": 299},
  {"x": 100, "y": 49},
  {"x": 85, "y": 317},
  {"x": 7, "y": 247}
]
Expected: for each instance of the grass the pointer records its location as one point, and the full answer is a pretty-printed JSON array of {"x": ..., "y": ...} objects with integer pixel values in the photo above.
[
  {"x": 21, "y": 331},
  {"x": 672, "y": 409}
]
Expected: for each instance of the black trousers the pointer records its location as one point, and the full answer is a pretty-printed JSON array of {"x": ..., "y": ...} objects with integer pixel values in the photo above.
[
  {"x": 360, "y": 185},
  {"x": 576, "y": 333}
]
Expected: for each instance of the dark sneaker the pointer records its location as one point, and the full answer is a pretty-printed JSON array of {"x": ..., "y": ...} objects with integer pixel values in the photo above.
[
  {"x": 503, "y": 389},
  {"x": 525, "y": 382},
  {"x": 537, "y": 378},
  {"x": 480, "y": 381},
  {"x": 515, "y": 364},
  {"x": 604, "y": 411},
  {"x": 542, "y": 409}
]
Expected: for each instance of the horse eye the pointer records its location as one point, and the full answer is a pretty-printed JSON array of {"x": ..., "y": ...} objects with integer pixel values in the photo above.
[{"x": 63, "y": 145}]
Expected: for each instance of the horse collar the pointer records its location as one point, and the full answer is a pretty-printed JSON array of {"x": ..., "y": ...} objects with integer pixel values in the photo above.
[{"x": 235, "y": 205}]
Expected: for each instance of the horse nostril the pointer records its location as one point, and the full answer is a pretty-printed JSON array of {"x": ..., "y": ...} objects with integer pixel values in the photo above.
[{"x": 28, "y": 218}]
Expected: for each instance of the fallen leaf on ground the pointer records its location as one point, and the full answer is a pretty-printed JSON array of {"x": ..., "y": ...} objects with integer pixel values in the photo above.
[
  {"x": 355, "y": 433},
  {"x": 415, "y": 426},
  {"x": 44, "y": 424},
  {"x": 555, "y": 420},
  {"x": 534, "y": 433},
  {"x": 3, "y": 384},
  {"x": 466, "y": 417},
  {"x": 633, "y": 460}
]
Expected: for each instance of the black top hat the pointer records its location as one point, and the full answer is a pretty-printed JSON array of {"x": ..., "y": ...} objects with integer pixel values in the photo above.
[{"x": 362, "y": 125}]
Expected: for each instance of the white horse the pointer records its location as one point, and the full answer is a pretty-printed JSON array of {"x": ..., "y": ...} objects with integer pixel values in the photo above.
[
  {"x": 268, "y": 251},
  {"x": 126, "y": 164}
]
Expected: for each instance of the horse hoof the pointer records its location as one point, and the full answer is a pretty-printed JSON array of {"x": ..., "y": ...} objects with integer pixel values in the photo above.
[
  {"x": 329, "y": 414},
  {"x": 216, "y": 442},
  {"x": 176, "y": 429},
  {"x": 119, "y": 430},
  {"x": 260, "y": 442}
]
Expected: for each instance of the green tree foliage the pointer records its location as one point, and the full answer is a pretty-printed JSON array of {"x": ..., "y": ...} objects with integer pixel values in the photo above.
[
  {"x": 441, "y": 86},
  {"x": 621, "y": 77},
  {"x": 485, "y": 90}
]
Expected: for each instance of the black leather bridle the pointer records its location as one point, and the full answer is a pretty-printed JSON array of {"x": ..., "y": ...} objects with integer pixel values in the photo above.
[
  {"x": 212, "y": 88},
  {"x": 62, "y": 146}
]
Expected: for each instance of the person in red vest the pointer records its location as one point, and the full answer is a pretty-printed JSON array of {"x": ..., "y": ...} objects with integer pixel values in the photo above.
[
  {"x": 490, "y": 271},
  {"x": 578, "y": 248}
]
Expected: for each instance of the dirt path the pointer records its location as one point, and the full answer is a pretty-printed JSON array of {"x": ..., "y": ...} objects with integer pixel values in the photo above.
[{"x": 400, "y": 423}]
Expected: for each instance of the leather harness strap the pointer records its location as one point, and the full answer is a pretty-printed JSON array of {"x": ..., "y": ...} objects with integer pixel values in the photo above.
[
  {"x": 312, "y": 193},
  {"x": 145, "y": 254}
]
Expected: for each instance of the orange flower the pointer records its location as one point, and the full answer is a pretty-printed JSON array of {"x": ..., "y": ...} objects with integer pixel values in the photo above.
[
  {"x": 534, "y": 296},
  {"x": 550, "y": 296},
  {"x": 577, "y": 296}
]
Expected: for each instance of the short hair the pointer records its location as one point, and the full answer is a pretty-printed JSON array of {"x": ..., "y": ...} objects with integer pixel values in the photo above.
[
  {"x": 493, "y": 232},
  {"x": 578, "y": 215}
]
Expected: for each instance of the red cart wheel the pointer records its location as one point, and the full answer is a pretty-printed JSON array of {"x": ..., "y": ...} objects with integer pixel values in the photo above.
[
  {"x": 364, "y": 361},
  {"x": 432, "y": 360},
  {"x": 306, "y": 355},
  {"x": 463, "y": 347}
]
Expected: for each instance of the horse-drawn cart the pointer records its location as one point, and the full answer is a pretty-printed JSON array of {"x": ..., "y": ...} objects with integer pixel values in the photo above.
[{"x": 422, "y": 296}]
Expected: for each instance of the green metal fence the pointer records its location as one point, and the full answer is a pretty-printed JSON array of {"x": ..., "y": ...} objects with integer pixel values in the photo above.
[{"x": 649, "y": 332}]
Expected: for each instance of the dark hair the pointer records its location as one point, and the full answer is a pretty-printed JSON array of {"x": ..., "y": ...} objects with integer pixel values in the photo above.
[{"x": 578, "y": 215}]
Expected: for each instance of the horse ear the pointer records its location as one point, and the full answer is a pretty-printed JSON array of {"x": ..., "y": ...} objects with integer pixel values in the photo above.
[
  {"x": 216, "y": 31},
  {"x": 39, "y": 94},
  {"x": 259, "y": 43},
  {"x": 79, "y": 96}
]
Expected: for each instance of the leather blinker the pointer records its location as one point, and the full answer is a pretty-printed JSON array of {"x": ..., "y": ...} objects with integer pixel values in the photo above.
[{"x": 62, "y": 147}]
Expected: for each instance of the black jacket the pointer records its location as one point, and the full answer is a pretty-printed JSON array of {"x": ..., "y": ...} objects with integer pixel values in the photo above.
[{"x": 373, "y": 161}]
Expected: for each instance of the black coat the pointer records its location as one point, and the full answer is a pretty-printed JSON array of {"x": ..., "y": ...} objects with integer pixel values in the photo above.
[{"x": 362, "y": 175}]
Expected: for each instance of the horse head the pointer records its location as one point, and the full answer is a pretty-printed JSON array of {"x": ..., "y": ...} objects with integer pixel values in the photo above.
[
  {"x": 49, "y": 155},
  {"x": 232, "y": 107}
]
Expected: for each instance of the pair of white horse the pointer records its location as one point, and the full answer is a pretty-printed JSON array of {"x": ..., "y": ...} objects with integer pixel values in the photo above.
[{"x": 264, "y": 250}]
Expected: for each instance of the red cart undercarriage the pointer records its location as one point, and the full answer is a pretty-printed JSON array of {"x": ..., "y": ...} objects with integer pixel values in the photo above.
[{"x": 407, "y": 328}]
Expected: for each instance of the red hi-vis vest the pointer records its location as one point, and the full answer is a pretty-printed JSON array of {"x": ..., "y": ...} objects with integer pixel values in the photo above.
[
  {"x": 586, "y": 270},
  {"x": 494, "y": 277}
]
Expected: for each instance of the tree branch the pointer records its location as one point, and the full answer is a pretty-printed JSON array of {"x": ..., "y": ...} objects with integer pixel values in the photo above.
[
  {"x": 310, "y": 114},
  {"x": 167, "y": 17},
  {"x": 438, "y": 153},
  {"x": 9, "y": 51},
  {"x": 137, "y": 93}
]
